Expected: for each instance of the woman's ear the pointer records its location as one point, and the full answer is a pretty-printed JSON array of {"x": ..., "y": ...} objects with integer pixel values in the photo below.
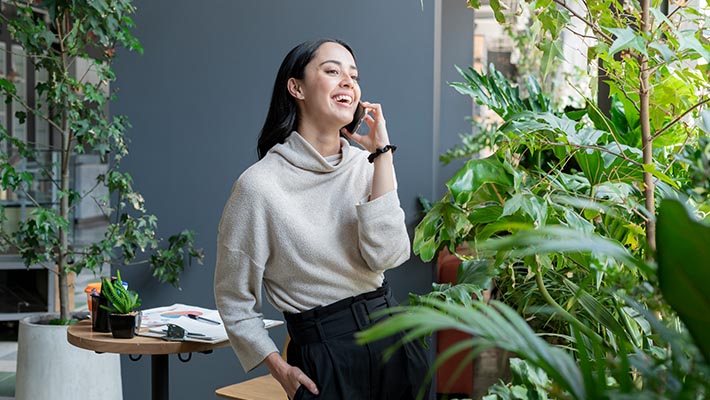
[{"x": 294, "y": 87}]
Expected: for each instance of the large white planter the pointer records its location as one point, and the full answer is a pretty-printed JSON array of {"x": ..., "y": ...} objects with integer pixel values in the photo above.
[{"x": 49, "y": 368}]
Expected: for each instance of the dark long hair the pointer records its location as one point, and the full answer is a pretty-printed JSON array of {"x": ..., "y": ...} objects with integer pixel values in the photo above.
[{"x": 282, "y": 118}]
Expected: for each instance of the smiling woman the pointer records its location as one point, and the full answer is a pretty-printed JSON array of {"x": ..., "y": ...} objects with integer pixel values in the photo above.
[{"x": 316, "y": 222}]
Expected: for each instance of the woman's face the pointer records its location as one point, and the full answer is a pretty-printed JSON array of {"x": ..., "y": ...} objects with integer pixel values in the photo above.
[{"x": 328, "y": 93}]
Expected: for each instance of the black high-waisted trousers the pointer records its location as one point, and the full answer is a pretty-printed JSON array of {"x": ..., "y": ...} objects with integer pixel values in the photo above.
[{"x": 323, "y": 346}]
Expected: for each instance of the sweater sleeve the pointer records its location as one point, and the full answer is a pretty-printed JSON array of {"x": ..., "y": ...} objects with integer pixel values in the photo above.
[
  {"x": 238, "y": 279},
  {"x": 384, "y": 242}
]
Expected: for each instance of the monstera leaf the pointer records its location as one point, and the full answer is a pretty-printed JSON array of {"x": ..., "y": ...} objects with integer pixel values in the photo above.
[{"x": 684, "y": 269}]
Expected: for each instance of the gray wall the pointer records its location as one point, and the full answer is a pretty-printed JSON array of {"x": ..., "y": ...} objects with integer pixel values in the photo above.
[
  {"x": 456, "y": 50},
  {"x": 197, "y": 99}
]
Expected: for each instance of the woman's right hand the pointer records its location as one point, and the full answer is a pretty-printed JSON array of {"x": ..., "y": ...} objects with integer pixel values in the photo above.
[{"x": 288, "y": 376}]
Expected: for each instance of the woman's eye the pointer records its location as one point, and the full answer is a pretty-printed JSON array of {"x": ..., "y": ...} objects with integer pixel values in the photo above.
[
  {"x": 332, "y": 71},
  {"x": 355, "y": 78}
]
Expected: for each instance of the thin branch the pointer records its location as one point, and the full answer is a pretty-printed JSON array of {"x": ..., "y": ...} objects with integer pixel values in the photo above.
[
  {"x": 581, "y": 34},
  {"x": 35, "y": 111},
  {"x": 593, "y": 147},
  {"x": 101, "y": 207},
  {"x": 135, "y": 263},
  {"x": 559, "y": 167},
  {"x": 616, "y": 78},
  {"x": 678, "y": 118},
  {"x": 591, "y": 25},
  {"x": 51, "y": 269},
  {"x": 29, "y": 196},
  {"x": 673, "y": 12},
  {"x": 682, "y": 147}
]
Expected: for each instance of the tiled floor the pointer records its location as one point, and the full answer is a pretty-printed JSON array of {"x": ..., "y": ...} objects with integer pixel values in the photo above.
[{"x": 8, "y": 362}]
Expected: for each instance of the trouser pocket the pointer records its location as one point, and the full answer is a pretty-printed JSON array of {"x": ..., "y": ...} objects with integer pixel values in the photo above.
[{"x": 299, "y": 393}]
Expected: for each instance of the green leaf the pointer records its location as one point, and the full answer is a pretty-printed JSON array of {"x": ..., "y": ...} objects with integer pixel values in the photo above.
[
  {"x": 627, "y": 38},
  {"x": 661, "y": 18},
  {"x": 474, "y": 175},
  {"x": 704, "y": 121},
  {"x": 592, "y": 165},
  {"x": 595, "y": 309},
  {"x": 688, "y": 41},
  {"x": 551, "y": 52},
  {"x": 476, "y": 273},
  {"x": 651, "y": 169},
  {"x": 497, "y": 11},
  {"x": 21, "y": 117},
  {"x": 485, "y": 214},
  {"x": 666, "y": 53},
  {"x": 7, "y": 86},
  {"x": 554, "y": 19},
  {"x": 559, "y": 239},
  {"x": 684, "y": 269}
]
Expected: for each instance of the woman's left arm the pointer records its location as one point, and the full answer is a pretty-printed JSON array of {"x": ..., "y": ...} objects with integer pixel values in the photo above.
[
  {"x": 384, "y": 242},
  {"x": 383, "y": 179}
]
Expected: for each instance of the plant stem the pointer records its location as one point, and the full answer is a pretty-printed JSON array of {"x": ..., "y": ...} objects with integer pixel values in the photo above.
[
  {"x": 63, "y": 283},
  {"x": 646, "y": 139},
  {"x": 591, "y": 25},
  {"x": 679, "y": 117},
  {"x": 561, "y": 311}
]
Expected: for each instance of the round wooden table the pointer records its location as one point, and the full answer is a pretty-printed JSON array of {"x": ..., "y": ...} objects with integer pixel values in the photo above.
[{"x": 81, "y": 335}]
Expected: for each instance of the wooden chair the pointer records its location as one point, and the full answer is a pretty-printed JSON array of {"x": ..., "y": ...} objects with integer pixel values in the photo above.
[
  {"x": 261, "y": 388},
  {"x": 265, "y": 387}
]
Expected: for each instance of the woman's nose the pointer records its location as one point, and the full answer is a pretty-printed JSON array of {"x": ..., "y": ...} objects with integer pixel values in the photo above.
[{"x": 347, "y": 81}]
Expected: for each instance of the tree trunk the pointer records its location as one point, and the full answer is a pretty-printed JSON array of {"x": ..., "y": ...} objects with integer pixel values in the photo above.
[
  {"x": 63, "y": 236},
  {"x": 647, "y": 140},
  {"x": 66, "y": 151}
]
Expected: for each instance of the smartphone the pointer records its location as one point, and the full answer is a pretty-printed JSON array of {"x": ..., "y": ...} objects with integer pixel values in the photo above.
[{"x": 359, "y": 116}]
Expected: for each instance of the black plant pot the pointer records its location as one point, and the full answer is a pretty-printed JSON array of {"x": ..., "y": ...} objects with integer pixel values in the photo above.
[
  {"x": 99, "y": 315},
  {"x": 125, "y": 326}
]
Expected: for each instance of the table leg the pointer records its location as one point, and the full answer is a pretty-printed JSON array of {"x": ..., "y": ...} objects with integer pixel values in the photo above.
[{"x": 160, "y": 376}]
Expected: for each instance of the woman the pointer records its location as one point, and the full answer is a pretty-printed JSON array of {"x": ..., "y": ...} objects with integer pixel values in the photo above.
[{"x": 316, "y": 222}]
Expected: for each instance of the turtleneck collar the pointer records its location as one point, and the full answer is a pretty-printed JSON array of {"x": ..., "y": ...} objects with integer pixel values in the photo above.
[{"x": 297, "y": 151}]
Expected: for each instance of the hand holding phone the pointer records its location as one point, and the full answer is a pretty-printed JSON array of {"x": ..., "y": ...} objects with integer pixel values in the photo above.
[{"x": 358, "y": 117}]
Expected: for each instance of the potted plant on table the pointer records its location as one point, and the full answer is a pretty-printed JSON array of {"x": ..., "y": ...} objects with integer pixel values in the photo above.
[{"x": 124, "y": 320}]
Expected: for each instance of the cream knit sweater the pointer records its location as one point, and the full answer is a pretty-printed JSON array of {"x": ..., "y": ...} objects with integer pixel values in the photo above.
[{"x": 304, "y": 230}]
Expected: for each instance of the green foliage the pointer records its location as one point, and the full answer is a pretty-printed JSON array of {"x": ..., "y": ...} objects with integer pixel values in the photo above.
[
  {"x": 172, "y": 260},
  {"x": 121, "y": 300},
  {"x": 667, "y": 367},
  {"x": 55, "y": 35},
  {"x": 563, "y": 213},
  {"x": 529, "y": 382},
  {"x": 491, "y": 325},
  {"x": 684, "y": 269}
]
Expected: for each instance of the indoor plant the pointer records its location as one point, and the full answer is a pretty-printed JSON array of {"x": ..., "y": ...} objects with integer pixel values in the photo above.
[
  {"x": 124, "y": 320},
  {"x": 58, "y": 37},
  {"x": 564, "y": 213},
  {"x": 67, "y": 47}
]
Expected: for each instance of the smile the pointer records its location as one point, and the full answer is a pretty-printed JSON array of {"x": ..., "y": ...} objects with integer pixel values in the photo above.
[{"x": 343, "y": 98}]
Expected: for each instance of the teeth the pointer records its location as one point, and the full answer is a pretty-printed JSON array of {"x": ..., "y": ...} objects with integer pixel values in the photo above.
[{"x": 343, "y": 97}]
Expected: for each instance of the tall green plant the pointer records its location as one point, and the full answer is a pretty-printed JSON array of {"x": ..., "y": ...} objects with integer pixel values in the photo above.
[
  {"x": 564, "y": 211},
  {"x": 55, "y": 35},
  {"x": 656, "y": 62}
]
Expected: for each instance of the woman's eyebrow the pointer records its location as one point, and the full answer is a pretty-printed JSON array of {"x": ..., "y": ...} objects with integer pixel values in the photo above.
[{"x": 338, "y": 63}]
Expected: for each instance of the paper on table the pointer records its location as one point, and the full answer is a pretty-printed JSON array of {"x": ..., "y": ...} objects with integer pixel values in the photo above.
[{"x": 157, "y": 318}]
